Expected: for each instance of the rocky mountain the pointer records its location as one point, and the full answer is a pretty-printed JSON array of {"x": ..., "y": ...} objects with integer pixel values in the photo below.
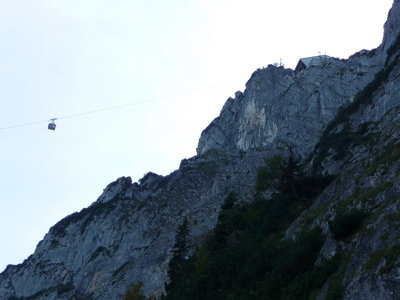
[{"x": 341, "y": 117}]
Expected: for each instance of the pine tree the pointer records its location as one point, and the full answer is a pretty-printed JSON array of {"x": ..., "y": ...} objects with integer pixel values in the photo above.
[
  {"x": 289, "y": 173},
  {"x": 226, "y": 218},
  {"x": 180, "y": 254}
]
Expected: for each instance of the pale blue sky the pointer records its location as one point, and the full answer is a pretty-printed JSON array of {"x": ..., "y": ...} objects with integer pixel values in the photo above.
[{"x": 62, "y": 57}]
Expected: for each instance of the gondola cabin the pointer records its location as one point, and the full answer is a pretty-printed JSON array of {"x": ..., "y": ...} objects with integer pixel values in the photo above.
[{"x": 52, "y": 125}]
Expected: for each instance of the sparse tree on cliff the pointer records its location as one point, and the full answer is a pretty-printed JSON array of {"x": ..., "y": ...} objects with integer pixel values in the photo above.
[{"x": 180, "y": 253}]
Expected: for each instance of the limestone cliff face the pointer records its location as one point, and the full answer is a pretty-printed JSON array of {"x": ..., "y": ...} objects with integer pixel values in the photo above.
[
  {"x": 127, "y": 234},
  {"x": 362, "y": 147},
  {"x": 281, "y": 107},
  {"x": 391, "y": 27}
]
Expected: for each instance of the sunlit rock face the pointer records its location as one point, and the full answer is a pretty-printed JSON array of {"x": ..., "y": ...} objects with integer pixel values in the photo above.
[
  {"x": 126, "y": 235},
  {"x": 281, "y": 107}
]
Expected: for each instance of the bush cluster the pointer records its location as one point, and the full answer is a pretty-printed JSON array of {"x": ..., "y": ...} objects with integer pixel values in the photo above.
[{"x": 346, "y": 223}]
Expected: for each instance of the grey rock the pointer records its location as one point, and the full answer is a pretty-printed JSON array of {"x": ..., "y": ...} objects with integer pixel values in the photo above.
[
  {"x": 281, "y": 107},
  {"x": 127, "y": 234},
  {"x": 115, "y": 189},
  {"x": 392, "y": 25}
]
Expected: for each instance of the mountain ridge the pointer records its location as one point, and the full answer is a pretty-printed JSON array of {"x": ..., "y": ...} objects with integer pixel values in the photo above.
[{"x": 126, "y": 235}]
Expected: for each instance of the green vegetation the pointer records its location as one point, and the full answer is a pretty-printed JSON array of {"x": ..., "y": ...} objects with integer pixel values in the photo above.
[
  {"x": 335, "y": 293},
  {"x": 59, "y": 289},
  {"x": 86, "y": 214},
  {"x": 246, "y": 257},
  {"x": 341, "y": 140},
  {"x": 336, "y": 282},
  {"x": 64, "y": 288},
  {"x": 364, "y": 97},
  {"x": 307, "y": 221},
  {"x": 346, "y": 223},
  {"x": 285, "y": 177},
  {"x": 364, "y": 196},
  {"x": 385, "y": 236},
  {"x": 134, "y": 292},
  {"x": 392, "y": 218},
  {"x": 392, "y": 50},
  {"x": 390, "y": 255},
  {"x": 390, "y": 154},
  {"x": 180, "y": 254},
  {"x": 268, "y": 176}
]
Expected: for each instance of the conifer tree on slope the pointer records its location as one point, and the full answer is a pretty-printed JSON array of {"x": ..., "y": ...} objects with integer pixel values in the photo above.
[{"x": 180, "y": 253}]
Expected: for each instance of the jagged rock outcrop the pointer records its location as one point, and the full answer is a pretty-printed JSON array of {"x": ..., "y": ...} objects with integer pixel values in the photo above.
[
  {"x": 127, "y": 234},
  {"x": 391, "y": 28},
  {"x": 284, "y": 108},
  {"x": 368, "y": 180}
]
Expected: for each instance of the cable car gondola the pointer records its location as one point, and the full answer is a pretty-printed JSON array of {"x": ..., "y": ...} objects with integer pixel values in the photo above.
[{"x": 52, "y": 124}]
